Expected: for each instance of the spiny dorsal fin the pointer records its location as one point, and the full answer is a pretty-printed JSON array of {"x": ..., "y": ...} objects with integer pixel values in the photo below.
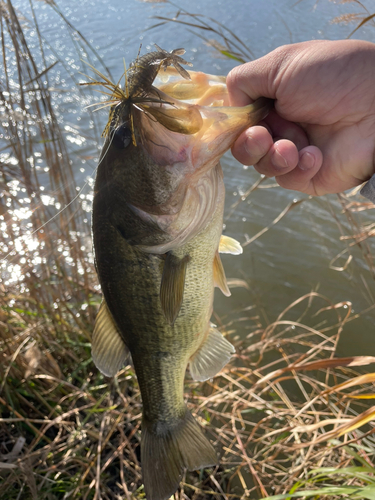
[
  {"x": 108, "y": 350},
  {"x": 212, "y": 356},
  {"x": 219, "y": 276},
  {"x": 229, "y": 245},
  {"x": 172, "y": 286}
]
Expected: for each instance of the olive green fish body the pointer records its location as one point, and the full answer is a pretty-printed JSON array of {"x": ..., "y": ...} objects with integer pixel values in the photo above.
[
  {"x": 157, "y": 223},
  {"x": 131, "y": 278}
]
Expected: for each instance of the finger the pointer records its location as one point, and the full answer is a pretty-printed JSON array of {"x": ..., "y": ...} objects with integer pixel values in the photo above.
[
  {"x": 301, "y": 178},
  {"x": 284, "y": 129},
  {"x": 282, "y": 157},
  {"x": 252, "y": 145}
]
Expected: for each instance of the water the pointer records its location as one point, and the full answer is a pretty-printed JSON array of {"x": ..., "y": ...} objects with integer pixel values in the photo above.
[{"x": 293, "y": 257}]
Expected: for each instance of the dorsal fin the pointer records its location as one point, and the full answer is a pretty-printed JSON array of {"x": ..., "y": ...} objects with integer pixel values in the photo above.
[
  {"x": 229, "y": 245},
  {"x": 108, "y": 350},
  {"x": 172, "y": 285},
  {"x": 219, "y": 276}
]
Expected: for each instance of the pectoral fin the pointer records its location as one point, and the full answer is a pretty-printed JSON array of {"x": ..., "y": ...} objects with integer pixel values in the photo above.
[
  {"x": 108, "y": 350},
  {"x": 229, "y": 245},
  {"x": 219, "y": 276},
  {"x": 172, "y": 285},
  {"x": 212, "y": 356}
]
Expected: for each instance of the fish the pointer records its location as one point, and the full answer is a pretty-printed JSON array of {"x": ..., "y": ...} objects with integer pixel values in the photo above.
[{"x": 157, "y": 224}]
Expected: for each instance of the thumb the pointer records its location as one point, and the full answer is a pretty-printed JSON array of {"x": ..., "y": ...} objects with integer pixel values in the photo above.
[{"x": 251, "y": 80}]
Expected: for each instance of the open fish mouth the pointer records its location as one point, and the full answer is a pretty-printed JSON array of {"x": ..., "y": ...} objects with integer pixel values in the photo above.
[{"x": 162, "y": 89}]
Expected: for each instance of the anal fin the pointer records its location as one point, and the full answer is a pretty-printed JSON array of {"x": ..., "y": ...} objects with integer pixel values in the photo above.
[
  {"x": 219, "y": 276},
  {"x": 108, "y": 350},
  {"x": 172, "y": 285},
  {"x": 212, "y": 356},
  {"x": 229, "y": 245}
]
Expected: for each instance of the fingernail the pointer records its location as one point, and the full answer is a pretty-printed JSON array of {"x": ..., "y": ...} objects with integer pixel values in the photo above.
[
  {"x": 252, "y": 146},
  {"x": 249, "y": 143},
  {"x": 306, "y": 161},
  {"x": 278, "y": 161}
]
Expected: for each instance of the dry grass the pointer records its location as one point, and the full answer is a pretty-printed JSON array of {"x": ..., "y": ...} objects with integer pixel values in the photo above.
[
  {"x": 362, "y": 18},
  {"x": 283, "y": 408},
  {"x": 68, "y": 431}
]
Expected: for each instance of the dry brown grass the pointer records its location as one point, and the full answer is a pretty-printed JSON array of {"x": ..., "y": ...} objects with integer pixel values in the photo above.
[
  {"x": 285, "y": 405},
  {"x": 270, "y": 413}
]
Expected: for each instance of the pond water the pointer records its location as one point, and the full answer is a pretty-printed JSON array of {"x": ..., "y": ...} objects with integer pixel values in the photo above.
[{"x": 293, "y": 257}]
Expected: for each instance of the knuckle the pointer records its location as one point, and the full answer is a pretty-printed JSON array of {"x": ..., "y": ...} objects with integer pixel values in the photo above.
[{"x": 235, "y": 77}]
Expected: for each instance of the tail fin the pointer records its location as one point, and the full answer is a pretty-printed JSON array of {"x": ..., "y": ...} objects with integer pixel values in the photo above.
[{"x": 166, "y": 451}]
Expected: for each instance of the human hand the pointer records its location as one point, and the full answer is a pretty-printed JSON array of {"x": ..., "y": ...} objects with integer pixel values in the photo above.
[{"x": 321, "y": 136}]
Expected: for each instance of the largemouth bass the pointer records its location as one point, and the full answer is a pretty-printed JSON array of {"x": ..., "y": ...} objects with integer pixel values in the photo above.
[{"x": 157, "y": 223}]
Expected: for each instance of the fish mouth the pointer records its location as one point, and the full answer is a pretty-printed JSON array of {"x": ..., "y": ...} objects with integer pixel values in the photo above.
[
  {"x": 185, "y": 103},
  {"x": 196, "y": 129}
]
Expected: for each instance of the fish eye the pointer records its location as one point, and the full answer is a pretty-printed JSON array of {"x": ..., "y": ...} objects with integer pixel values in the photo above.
[{"x": 122, "y": 136}]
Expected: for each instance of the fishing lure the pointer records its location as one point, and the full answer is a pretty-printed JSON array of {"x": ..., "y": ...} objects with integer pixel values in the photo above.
[{"x": 138, "y": 90}]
